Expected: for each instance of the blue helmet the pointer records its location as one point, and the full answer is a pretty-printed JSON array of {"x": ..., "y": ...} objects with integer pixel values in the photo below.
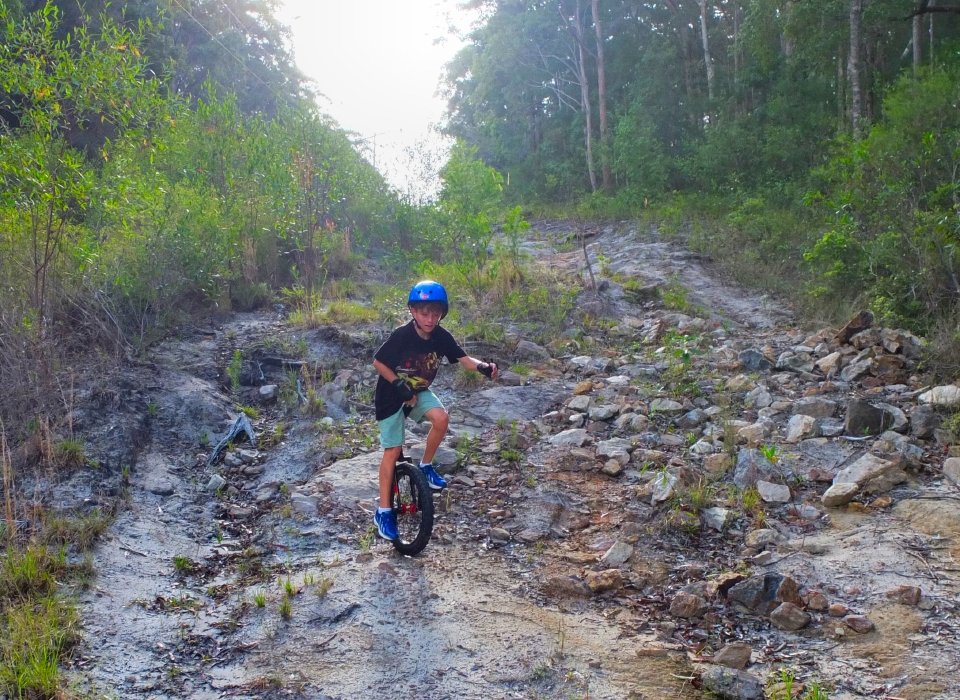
[{"x": 428, "y": 290}]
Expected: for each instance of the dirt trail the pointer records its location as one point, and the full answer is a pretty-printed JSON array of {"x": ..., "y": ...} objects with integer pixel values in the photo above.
[{"x": 188, "y": 602}]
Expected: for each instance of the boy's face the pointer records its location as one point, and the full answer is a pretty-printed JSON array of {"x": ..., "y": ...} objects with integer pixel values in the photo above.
[{"x": 427, "y": 315}]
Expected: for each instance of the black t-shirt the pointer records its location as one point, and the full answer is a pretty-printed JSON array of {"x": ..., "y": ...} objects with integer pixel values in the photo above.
[{"x": 414, "y": 360}]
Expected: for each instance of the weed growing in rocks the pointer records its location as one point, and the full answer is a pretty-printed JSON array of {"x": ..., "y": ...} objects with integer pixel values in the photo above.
[{"x": 234, "y": 369}]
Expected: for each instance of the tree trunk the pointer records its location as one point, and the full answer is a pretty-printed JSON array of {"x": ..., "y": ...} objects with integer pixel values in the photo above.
[
  {"x": 841, "y": 93},
  {"x": 602, "y": 100},
  {"x": 706, "y": 49},
  {"x": 917, "y": 45},
  {"x": 789, "y": 42},
  {"x": 687, "y": 50},
  {"x": 853, "y": 69},
  {"x": 585, "y": 97}
]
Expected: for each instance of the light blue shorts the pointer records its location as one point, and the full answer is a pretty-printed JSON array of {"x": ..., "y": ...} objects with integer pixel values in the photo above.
[{"x": 391, "y": 428}]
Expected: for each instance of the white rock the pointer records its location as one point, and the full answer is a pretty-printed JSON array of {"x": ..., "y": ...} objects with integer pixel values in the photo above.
[
  {"x": 576, "y": 437},
  {"x": 948, "y": 395},
  {"x": 773, "y": 493},
  {"x": 617, "y": 554},
  {"x": 801, "y": 426},
  {"x": 714, "y": 518},
  {"x": 839, "y": 494}
]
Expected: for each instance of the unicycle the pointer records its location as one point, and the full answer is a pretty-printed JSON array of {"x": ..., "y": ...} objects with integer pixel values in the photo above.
[{"x": 412, "y": 504}]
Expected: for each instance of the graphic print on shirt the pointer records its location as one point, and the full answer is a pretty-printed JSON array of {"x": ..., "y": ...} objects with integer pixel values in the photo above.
[{"x": 419, "y": 371}]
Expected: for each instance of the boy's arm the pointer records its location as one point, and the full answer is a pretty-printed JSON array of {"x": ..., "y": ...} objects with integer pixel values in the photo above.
[
  {"x": 406, "y": 393},
  {"x": 385, "y": 371},
  {"x": 476, "y": 365}
]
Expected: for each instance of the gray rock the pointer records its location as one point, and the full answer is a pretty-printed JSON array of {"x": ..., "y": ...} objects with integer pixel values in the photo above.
[
  {"x": 799, "y": 362},
  {"x": 765, "y": 592},
  {"x": 604, "y": 412},
  {"x": 267, "y": 491},
  {"x": 900, "y": 420},
  {"x": 763, "y": 537},
  {"x": 865, "y": 419},
  {"x": 665, "y": 406},
  {"x": 773, "y": 493},
  {"x": 580, "y": 404},
  {"x": 732, "y": 684},
  {"x": 498, "y": 534},
  {"x": 788, "y": 616},
  {"x": 840, "y": 494},
  {"x": 734, "y": 655},
  {"x": 575, "y": 437},
  {"x": 751, "y": 467},
  {"x": 688, "y": 605},
  {"x": 510, "y": 403},
  {"x": 741, "y": 382},
  {"x": 160, "y": 487},
  {"x": 612, "y": 468},
  {"x": 859, "y": 623},
  {"x": 216, "y": 483},
  {"x": 616, "y": 448},
  {"x": 692, "y": 419},
  {"x": 815, "y": 407},
  {"x": 531, "y": 351},
  {"x": 333, "y": 395},
  {"x": 758, "y": 398},
  {"x": 755, "y": 434},
  {"x": 857, "y": 370},
  {"x": 923, "y": 421},
  {"x": 565, "y": 586},
  {"x": 248, "y": 456},
  {"x": 663, "y": 486},
  {"x": 754, "y": 360},
  {"x": 830, "y": 363},
  {"x": 714, "y": 518},
  {"x": 951, "y": 467},
  {"x": 871, "y": 472},
  {"x": 617, "y": 554},
  {"x": 800, "y": 427},
  {"x": 268, "y": 392},
  {"x": 302, "y": 504}
]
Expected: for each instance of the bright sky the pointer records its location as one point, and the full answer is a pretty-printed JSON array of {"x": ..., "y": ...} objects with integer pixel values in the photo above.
[{"x": 378, "y": 62}]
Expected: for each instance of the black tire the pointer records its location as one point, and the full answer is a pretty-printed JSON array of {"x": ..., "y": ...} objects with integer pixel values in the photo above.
[{"x": 412, "y": 503}]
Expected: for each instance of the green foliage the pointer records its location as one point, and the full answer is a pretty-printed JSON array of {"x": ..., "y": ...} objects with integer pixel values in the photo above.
[{"x": 234, "y": 369}]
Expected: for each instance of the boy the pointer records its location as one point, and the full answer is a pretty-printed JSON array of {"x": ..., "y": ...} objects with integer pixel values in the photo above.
[{"x": 408, "y": 362}]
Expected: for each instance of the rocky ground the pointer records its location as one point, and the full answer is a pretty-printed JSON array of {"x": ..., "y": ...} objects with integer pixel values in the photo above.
[{"x": 658, "y": 504}]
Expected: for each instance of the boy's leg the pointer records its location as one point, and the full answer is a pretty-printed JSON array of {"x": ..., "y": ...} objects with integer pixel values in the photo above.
[
  {"x": 439, "y": 421},
  {"x": 387, "y": 465},
  {"x": 391, "y": 438}
]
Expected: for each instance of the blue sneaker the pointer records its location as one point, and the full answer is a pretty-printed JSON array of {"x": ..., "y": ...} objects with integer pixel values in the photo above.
[
  {"x": 386, "y": 523},
  {"x": 436, "y": 481}
]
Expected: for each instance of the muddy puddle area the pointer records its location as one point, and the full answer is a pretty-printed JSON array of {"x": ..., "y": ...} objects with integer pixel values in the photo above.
[{"x": 551, "y": 572}]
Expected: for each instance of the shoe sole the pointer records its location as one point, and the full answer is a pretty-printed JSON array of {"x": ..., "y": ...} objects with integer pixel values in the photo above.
[{"x": 389, "y": 539}]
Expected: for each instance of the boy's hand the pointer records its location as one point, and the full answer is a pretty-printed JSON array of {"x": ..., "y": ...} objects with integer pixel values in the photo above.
[
  {"x": 487, "y": 369},
  {"x": 406, "y": 393}
]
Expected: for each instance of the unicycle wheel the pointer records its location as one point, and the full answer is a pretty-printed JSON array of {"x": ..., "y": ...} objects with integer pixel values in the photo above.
[{"x": 413, "y": 506}]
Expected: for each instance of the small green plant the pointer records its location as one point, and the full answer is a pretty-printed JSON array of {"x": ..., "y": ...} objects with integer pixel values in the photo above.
[
  {"x": 522, "y": 370},
  {"x": 152, "y": 408},
  {"x": 326, "y": 583},
  {"x": 249, "y": 412},
  {"x": 234, "y": 369},
  {"x": 531, "y": 481},
  {"x": 286, "y": 608},
  {"x": 770, "y": 452},
  {"x": 367, "y": 539},
  {"x": 816, "y": 692},
  {"x": 288, "y": 588},
  {"x": 674, "y": 295},
  {"x": 69, "y": 453},
  {"x": 750, "y": 499},
  {"x": 182, "y": 564}
]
